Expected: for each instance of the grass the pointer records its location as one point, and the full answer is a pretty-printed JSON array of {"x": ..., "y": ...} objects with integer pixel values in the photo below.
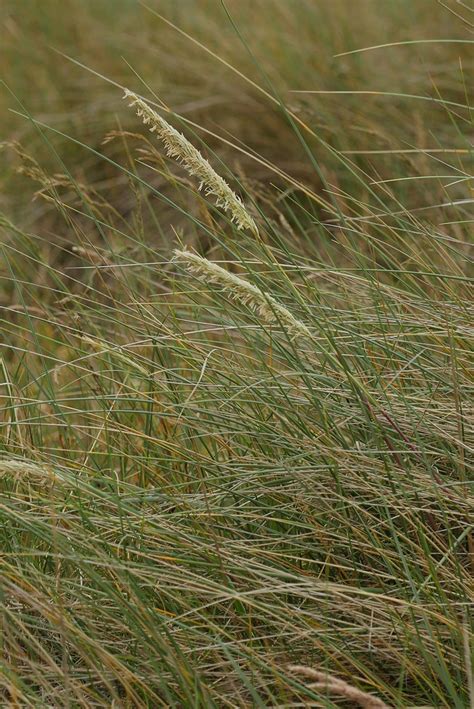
[{"x": 236, "y": 463}]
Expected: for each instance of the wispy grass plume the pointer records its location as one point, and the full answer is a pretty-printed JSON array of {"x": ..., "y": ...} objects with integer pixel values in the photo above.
[
  {"x": 240, "y": 290},
  {"x": 25, "y": 471},
  {"x": 338, "y": 687},
  {"x": 179, "y": 147}
]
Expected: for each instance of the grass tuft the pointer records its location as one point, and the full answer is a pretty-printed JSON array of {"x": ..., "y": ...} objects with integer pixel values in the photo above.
[{"x": 236, "y": 445}]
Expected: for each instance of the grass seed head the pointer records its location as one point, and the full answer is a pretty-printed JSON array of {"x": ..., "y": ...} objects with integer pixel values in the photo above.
[
  {"x": 26, "y": 471},
  {"x": 179, "y": 147},
  {"x": 240, "y": 290},
  {"x": 339, "y": 687}
]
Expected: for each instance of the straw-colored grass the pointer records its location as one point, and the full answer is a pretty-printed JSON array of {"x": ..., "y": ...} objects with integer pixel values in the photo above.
[{"x": 236, "y": 464}]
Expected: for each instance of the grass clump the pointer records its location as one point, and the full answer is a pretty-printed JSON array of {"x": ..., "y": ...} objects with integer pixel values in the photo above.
[{"x": 236, "y": 452}]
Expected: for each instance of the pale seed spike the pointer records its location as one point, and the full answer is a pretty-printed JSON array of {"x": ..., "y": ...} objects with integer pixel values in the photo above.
[
  {"x": 242, "y": 291},
  {"x": 179, "y": 147},
  {"x": 26, "y": 471}
]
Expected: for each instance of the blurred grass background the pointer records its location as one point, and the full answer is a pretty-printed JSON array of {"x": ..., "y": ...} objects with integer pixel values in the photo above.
[{"x": 292, "y": 46}]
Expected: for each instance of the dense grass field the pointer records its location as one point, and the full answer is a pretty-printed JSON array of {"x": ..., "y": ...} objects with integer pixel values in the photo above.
[{"x": 236, "y": 363}]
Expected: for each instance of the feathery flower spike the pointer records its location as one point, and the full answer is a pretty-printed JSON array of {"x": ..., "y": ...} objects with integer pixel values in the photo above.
[
  {"x": 179, "y": 147},
  {"x": 333, "y": 685},
  {"x": 26, "y": 471},
  {"x": 242, "y": 291}
]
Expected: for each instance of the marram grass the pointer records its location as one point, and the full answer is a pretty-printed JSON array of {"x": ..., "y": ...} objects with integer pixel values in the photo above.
[
  {"x": 179, "y": 147},
  {"x": 263, "y": 304},
  {"x": 25, "y": 472},
  {"x": 196, "y": 513},
  {"x": 335, "y": 686}
]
